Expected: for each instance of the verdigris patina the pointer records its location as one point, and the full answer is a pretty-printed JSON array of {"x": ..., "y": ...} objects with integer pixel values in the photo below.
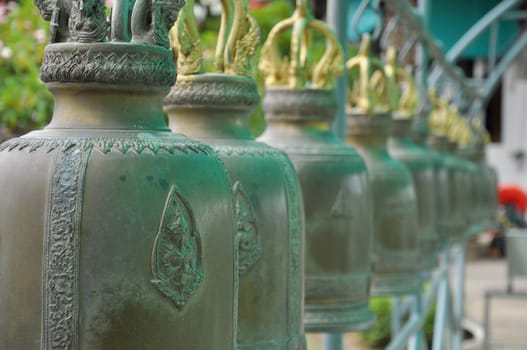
[
  {"x": 115, "y": 232},
  {"x": 215, "y": 108}
]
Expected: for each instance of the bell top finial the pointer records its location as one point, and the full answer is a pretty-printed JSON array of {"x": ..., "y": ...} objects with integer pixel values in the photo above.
[
  {"x": 238, "y": 39},
  {"x": 84, "y": 21},
  {"x": 404, "y": 95},
  {"x": 129, "y": 48},
  {"x": 370, "y": 91},
  {"x": 297, "y": 71}
]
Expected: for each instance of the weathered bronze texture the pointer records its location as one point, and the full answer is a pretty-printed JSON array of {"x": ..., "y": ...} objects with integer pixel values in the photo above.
[
  {"x": 215, "y": 108},
  {"x": 420, "y": 162},
  {"x": 337, "y": 202},
  {"x": 395, "y": 236},
  {"x": 485, "y": 179},
  {"x": 448, "y": 129},
  {"x": 115, "y": 233},
  {"x": 135, "y": 224},
  {"x": 441, "y": 186}
]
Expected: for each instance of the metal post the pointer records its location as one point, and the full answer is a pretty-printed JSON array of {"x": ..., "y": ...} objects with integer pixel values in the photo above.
[
  {"x": 396, "y": 316},
  {"x": 442, "y": 307},
  {"x": 337, "y": 18},
  {"x": 416, "y": 341},
  {"x": 333, "y": 341},
  {"x": 459, "y": 297},
  {"x": 422, "y": 60}
]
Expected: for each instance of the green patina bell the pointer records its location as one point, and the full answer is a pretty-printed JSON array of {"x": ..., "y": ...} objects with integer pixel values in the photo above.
[
  {"x": 337, "y": 207},
  {"x": 333, "y": 178},
  {"x": 485, "y": 188},
  {"x": 215, "y": 108},
  {"x": 396, "y": 253},
  {"x": 451, "y": 222},
  {"x": 396, "y": 256},
  {"x": 441, "y": 186},
  {"x": 115, "y": 232},
  {"x": 420, "y": 162}
]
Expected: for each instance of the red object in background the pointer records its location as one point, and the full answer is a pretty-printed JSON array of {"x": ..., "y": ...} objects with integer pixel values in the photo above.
[
  {"x": 254, "y": 4},
  {"x": 514, "y": 195}
]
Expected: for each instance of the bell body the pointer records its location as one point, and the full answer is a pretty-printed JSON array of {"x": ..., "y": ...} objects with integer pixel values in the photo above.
[
  {"x": 116, "y": 233},
  {"x": 420, "y": 162},
  {"x": 484, "y": 188},
  {"x": 395, "y": 234},
  {"x": 215, "y": 109},
  {"x": 491, "y": 194},
  {"x": 459, "y": 187},
  {"x": 441, "y": 189},
  {"x": 474, "y": 202},
  {"x": 337, "y": 204}
]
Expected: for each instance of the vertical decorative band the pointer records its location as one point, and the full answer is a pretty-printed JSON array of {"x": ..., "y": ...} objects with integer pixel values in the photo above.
[
  {"x": 61, "y": 252},
  {"x": 296, "y": 255}
]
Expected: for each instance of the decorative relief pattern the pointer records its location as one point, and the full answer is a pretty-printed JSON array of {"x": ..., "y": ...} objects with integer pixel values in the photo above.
[
  {"x": 111, "y": 66},
  {"x": 87, "y": 22},
  {"x": 249, "y": 243},
  {"x": 107, "y": 145},
  {"x": 295, "y": 218},
  {"x": 213, "y": 89},
  {"x": 176, "y": 256},
  {"x": 61, "y": 289}
]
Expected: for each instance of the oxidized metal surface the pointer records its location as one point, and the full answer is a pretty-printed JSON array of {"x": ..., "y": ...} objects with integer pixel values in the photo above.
[
  {"x": 395, "y": 236},
  {"x": 441, "y": 183},
  {"x": 107, "y": 241},
  {"x": 337, "y": 203},
  {"x": 457, "y": 215},
  {"x": 215, "y": 108},
  {"x": 420, "y": 162}
]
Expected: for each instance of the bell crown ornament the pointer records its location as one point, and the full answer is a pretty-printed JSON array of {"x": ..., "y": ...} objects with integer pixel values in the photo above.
[
  {"x": 299, "y": 70},
  {"x": 370, "y": 90},
  {"x": 238, "y": 39},
  {"x": 131, "y": 47},
  {"x": 231, "y": 86},
  {"x": 404, "y": 92}
]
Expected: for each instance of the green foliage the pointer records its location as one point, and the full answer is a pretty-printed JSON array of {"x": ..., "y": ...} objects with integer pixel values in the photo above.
[
  {"x": 25, "y": 103},
  {"x": 380, "y": 335}
]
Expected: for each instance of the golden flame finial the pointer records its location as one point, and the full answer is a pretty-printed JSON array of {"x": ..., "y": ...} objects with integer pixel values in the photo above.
[
  {"x": 238, "y": 39},
  {"x": 297, "y": 72},
  {"x": 185, "y": 41},
  {"x": 404, "y": 96},
  {"x": 370, "y": 91}
]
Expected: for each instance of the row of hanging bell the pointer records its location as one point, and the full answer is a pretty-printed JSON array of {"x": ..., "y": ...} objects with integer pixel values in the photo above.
[
  {"x": 300, "y": 105},
  {"x": 215, "y": 108},
  {"x": 396, "y": 253},
  {"x": 472, "y": 195}
]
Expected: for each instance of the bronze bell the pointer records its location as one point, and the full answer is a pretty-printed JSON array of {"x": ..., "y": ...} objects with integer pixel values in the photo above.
[
  {"x": 451, "y": 221},
  {"x": 443, "y": 125},
  {"x": 215, "y": 108},
  {"x": 332, "y": 176},
  {"x": 396, "y": 254},
  {"x": 485, "y": 179},
  {"x": 116, "y": 233},
  {"x": 420, "y": 135},
  {"x": 419, "y": 160}
]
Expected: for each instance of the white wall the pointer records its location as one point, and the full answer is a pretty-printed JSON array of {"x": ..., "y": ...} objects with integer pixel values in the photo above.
[{"x": 514, "y": 127}]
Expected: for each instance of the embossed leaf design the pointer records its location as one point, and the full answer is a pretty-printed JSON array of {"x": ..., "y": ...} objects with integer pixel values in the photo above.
[
  {"x": 249, "y": 245},
  {"x": 176, "y": 256}
]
